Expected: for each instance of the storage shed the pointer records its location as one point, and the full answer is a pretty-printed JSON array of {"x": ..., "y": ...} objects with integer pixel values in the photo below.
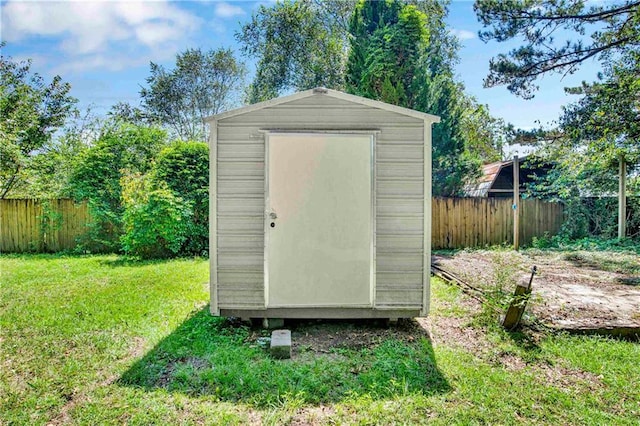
[{"x": 320, "y": 207}]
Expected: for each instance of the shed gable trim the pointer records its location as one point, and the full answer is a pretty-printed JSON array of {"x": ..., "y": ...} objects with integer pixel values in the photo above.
[{"x": 325, "y": 92}]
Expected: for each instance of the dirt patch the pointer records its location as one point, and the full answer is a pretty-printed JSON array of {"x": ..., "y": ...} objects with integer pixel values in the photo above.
[
  {"x": 328, "y": 336},
  {"x": 571, "y": 290}
]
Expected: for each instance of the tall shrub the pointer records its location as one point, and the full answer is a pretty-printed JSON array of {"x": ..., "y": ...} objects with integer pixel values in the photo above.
[
  {"x": 184, "y": 168},
  {"x": 155, "y": 221}
]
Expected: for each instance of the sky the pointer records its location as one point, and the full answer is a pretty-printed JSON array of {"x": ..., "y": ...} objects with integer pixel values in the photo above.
[{"x": 103, "y": 48}]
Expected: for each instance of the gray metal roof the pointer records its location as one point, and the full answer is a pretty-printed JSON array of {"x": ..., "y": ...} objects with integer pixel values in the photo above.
[{"x": 321, "y": 91}]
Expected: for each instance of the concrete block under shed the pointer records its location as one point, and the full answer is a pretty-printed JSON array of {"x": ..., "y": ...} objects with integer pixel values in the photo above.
[
  {"x": 281, "y": 344},
  {"x": 272, "y": 323}
]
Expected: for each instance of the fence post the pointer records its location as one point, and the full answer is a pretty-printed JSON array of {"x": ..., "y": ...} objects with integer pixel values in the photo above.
[
  {"x": 516, "y": 203},
  {"x": 622, "y": 199}
]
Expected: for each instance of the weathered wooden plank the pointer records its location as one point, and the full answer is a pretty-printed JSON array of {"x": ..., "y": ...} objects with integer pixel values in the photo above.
[{"x": 518, "y": 304}]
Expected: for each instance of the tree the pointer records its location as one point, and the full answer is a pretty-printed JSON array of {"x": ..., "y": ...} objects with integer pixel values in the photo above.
[
  {"x": 605, "y": 121},
  {"x": 51, "y": 166},
  {"x": 201, "y": 84},
  {"x": 298, "y": 45},
  {"x": 124, "y": 112},
  {"x": 453, "y": 163},
  {"x": 599, "y": 130},
  {"x": 613, "y": 29},
  {"x": 401, "y": 55},
  {"x": 597, "y": 133},
  {"x": 387, "y": 39},
  {"x": 396, "y": 51},
  {"x": 31, "y": 110}
]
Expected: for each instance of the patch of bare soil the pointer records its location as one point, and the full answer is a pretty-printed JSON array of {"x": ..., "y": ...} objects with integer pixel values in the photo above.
[
  {"x": 328, "y": 336},
  {"x": 570, "y": 291}
]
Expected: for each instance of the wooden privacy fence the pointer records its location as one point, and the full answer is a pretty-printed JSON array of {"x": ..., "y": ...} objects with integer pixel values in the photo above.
[
  {"x": 41, "y": 225},
  {"x": 477, "y": 222},
  {"x": 54, "y": 225}
]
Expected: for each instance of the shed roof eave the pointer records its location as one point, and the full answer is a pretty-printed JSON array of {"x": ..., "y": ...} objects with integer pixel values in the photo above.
[{"x": 324, "y": 92}]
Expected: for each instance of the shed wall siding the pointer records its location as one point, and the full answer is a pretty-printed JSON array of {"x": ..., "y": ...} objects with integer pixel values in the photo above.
[{"x": 399, "y": 196}]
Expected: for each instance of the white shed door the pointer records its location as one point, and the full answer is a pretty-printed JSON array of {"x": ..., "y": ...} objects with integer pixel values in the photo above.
[{"x": 319, "y": 227}]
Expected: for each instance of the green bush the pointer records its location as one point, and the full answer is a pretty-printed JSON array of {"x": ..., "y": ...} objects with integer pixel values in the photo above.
[
  {"x": 184, "y": 168},
  {"x": 146, "y": 198},
  {"x": 155, "y": 221},
  {"x": 587, "y": 243},
  {"x": 97, "y": 174},
  {"x": 598, "y": 217}
]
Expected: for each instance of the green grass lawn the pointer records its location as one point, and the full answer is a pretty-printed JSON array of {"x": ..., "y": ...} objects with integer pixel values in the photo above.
[{"x": 99, "y": 339}]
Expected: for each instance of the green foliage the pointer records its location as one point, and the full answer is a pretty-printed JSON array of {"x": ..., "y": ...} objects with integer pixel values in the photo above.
[
  {"x": 298, "y": 45},
  {"x": 498, "y": 291},
  {"x": 601, "y": 129},
  {"x": 184, "y": 168},
  {"x": 467, "y": 134},
  {"x": 97, "y": 175},
  {"x": 201, "y": 84},
  {"x": 595, "y": 217},
  {"x": 402, "y": 53},
  {"x": 603, "y": 125},
  {"x": 31, "y": 110},
  {"x": 146, "y": 198},
  {"x": 387, "y": 39},
  {"x": 155, "y": 221},
  {"x": 123, "y": 112},
  {"x": 613, "y": 28},
  {"x": 453, "y": 162},
  {"x": 563, "y": 242},
  {"x": 51, "y": 167}
]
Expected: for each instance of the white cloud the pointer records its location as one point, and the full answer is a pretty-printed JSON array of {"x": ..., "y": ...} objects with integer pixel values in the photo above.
[
  {"x": 226, "y": 10},
  {"x": 463, "y": 34},
  {"x": 110, "y": 62},
  {"x": 89, "y": 32}
]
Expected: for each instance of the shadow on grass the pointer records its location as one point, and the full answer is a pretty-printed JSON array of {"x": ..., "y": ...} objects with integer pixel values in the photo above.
[{"x": 211, "y": 356}]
